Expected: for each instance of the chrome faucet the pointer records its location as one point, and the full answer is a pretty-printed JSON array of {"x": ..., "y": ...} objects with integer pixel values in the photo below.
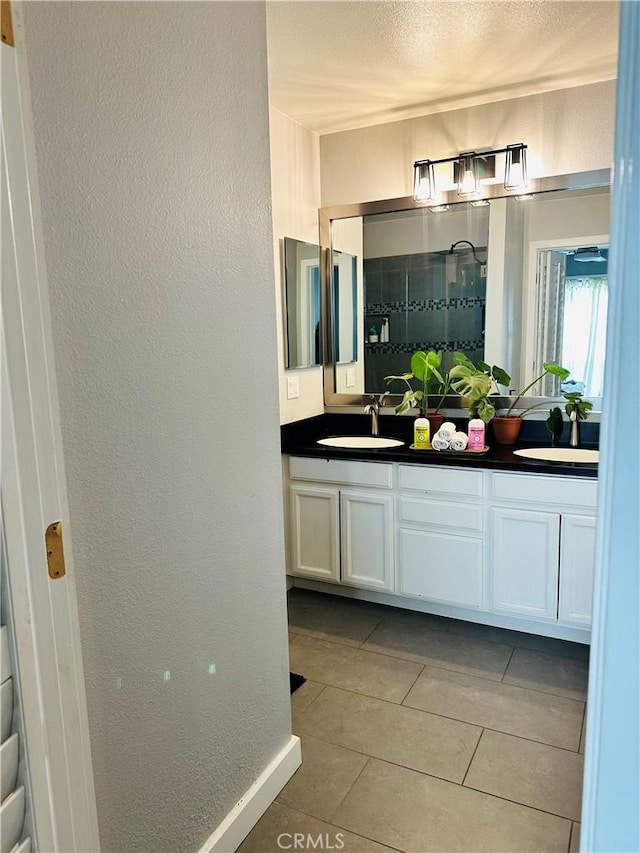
[
  {"x": 574, "y": 429},
  {"x": 373, "y": 408}
]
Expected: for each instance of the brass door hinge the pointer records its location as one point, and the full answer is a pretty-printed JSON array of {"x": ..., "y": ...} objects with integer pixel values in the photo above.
[
  {"x": 55, "y": 551},
  {"x": 6, "y": 24}
]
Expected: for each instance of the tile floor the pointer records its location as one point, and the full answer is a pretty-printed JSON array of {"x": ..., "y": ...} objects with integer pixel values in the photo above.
[{"x": 427, "y": 734}]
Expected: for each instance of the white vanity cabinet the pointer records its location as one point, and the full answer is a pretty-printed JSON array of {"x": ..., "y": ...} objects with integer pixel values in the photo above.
[
  {"x": 342, "y": 531},
  {"x": 504, "y": 548},
  {"x": 542, "y": 547},
  {"x": 315, "y": 531},
  {"x": 440, "y": 535}
]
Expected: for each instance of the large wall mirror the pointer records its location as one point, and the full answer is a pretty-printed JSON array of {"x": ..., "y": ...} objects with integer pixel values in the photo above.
[{"x": 515, "y": 282}]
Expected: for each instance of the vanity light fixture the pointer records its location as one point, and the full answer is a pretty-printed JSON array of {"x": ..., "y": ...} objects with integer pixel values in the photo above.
[
  {"x": 467, "y": 174},
  {"x": 424, "y": 185},
  {"x": 470, "y": 169},
  {"x": 515, "y": 170}
]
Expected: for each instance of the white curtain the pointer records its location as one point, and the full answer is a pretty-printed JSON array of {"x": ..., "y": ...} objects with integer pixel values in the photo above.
[{"x": 584, "y": 325}]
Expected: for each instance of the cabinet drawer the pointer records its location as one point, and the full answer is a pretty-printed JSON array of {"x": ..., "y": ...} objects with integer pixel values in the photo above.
[
  {"x": 347, "y": 471},
  {"x": 440, "y": 480},
  {"x": 533, "y": 488},
  {"x": 440, "y": 567},
  {"x": 455, "y": 516}
]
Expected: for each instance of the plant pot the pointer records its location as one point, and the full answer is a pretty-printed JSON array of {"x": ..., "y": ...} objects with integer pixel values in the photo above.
[
  {"x": 436, "y": 419},
  {"x": 506, "y": 429}
]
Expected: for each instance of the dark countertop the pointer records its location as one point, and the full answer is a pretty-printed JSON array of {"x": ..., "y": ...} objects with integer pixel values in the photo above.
[{"x": 299, "y": 439}]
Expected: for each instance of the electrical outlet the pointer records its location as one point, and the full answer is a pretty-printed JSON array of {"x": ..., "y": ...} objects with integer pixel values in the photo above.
[
  {"x": 293, "y": 388},
  {"x": 351, "y": 377}
]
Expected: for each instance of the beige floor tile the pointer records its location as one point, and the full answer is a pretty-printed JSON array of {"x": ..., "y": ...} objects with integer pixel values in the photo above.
[
  {"x": 352, "y": 669},
  {"x": 324, "y": 778},
  {"x": 304, "y": 696},
  {"x": 394, "y": 733},
  {"x": 549, "y": 673},
  {"x": 332, "y": 617},
  {"x": 583, "y": 734},
  {"x": 450, "y": 651},
  {"x": 519, "y": 639},
  {"x": 275, "y": 832},
  {"x": 533, "y": 774},
  {"x": 544, "y": 717},
  {"x": 414, "y": 812},
  {"x": 574, "y": 846}
]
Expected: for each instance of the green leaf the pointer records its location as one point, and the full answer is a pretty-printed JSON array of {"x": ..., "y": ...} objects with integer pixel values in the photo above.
[
  {"x": 486, "y": 411},
  {"x": 405, "y": 376},
  {"x": 434, "y": 360},
  {"x": 470, "y": 384},
  {"x": 482, "y": 365},
  {"x": 460, "y": 358},
  {"x": 556, "y": 370},
  {"x": 419, "y": 364},
  {"x": 501, "y": 376}
]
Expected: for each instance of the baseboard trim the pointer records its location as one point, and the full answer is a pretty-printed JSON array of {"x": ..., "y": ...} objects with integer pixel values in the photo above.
[{"x": 230, "y": 834}]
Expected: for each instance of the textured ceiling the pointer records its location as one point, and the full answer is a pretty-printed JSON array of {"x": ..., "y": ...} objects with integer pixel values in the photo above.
[{"x": 340, "y": 64}]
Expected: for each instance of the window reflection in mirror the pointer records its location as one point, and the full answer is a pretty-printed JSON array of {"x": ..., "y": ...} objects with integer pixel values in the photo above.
[
  {"x": 303, "y": 301},
  {"x": 572, "y": 293},
  {"x": 565, "y": 305}
]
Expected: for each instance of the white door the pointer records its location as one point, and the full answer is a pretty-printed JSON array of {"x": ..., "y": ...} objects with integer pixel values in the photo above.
[
  {"x": 366, "y": 533},
  {"x": 315, "y": 537},
  {"x": 577, "y": 565},
  {"x": 524, "y": 562},
  {"x": 43, "y": 611}
]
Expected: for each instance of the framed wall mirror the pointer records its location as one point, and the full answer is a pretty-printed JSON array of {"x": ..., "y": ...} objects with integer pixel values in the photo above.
[
  {"x": 508, "y": 280},
  {"x": 303, "y": 304}
]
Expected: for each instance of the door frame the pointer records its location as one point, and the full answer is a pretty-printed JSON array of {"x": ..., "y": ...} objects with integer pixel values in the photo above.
[{"x": 44, "y": 614}]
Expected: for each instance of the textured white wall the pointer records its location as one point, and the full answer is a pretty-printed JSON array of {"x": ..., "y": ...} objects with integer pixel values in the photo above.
[
  {"x": 152, "y": 140},
  {"x": 295, "y": 178},
  {"x": 570, "y": 130}
]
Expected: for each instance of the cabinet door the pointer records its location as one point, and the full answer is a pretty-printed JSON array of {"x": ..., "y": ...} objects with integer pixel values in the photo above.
[
  {"x": 366, "y": 532},
  {"x": 314, "y": 532},
  {"x": 440, "y": 566},
  {"x": 524, "y": 562},
  {"x": 577, "y": 563}
]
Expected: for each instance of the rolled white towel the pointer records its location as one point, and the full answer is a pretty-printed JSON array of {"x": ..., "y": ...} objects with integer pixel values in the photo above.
[
  {"x": 439, "y": 443},
  {"x": 459, "y": 441},
  {"x": 447, "y": 430}
]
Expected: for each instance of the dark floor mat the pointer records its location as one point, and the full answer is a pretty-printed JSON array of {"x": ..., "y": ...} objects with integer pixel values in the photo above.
[{"x": 295, "y": 681}]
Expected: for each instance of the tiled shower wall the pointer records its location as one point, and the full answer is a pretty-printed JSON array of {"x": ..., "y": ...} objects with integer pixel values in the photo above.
[{"x": 433, "y": 300}]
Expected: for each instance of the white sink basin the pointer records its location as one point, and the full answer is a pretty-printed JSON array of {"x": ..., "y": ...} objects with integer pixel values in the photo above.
[
  {"x": 559, "y": 454},
  {"x": 361, "y": 442}
]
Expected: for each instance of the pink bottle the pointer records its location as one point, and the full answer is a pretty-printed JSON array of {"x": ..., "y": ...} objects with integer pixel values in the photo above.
[{"x": 476, "y": 434}]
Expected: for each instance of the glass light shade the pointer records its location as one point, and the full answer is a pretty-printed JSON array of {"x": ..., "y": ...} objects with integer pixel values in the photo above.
[
  {"x": 424, "y": 187},
  {"x": 515, "y": 170},
  {"x": 467, "y": 174}
]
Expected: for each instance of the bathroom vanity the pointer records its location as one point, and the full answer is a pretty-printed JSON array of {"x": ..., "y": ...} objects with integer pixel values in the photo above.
[{"x": 488, "y": 539}]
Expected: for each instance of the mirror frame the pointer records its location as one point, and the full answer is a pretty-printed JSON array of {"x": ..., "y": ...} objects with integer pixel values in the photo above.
[{"x": 326, "y": 215}]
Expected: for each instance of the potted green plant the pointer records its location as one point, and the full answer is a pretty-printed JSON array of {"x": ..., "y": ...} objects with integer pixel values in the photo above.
[
  {"x": 426, "y": 367},
  {"x": 476, "y": 383},
  {"x": 506, "y": 427},
  {"x": 578, "y": 410}
]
